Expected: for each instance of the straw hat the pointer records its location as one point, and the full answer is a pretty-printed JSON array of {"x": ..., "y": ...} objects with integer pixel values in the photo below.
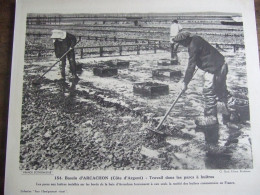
[{"x": 58, "y": 34}]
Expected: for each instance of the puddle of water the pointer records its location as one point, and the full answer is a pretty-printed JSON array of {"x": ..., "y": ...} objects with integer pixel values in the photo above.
[
  {"x": 149, "y": 153},
  {"x": 175, "y": 141}
]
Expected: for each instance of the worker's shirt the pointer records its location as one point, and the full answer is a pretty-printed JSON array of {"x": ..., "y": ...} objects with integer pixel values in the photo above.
[
  {"x": 174, "y": 30},
  {"x": 63, "y": 45},
  {"x": 204, "y": 55}
]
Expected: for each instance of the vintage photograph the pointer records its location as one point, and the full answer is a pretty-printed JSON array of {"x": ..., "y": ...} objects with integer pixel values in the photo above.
[{"x": 135, "y": 91}]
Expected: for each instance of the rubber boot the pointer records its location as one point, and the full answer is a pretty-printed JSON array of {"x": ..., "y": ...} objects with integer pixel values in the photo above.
[
  {"x": 63, "y": 77},
  {"x": 62, "y": 69},
  {"x": 75, "y": 77},
  {"x": 174, "y": 56},
  {"x": 214, "y": 150},
  {"x": 174, "y": 59},
  {"x": 233, "y": 115},
  {"x": 73, "y": 71},
  {"x": 209, "y": 119},
  {"x": 206, "y": 121}
]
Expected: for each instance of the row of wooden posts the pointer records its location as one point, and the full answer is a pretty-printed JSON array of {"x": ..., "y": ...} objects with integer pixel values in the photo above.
[
  {"x": 102, "y": 52},
  {"x": 154, "y": 44},
  {"x": 138, "y": 49},
  {"x": 155, "y": 47}
]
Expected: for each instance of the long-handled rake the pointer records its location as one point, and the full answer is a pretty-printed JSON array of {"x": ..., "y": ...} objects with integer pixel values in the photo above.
[{"x": 156, "y": 130}]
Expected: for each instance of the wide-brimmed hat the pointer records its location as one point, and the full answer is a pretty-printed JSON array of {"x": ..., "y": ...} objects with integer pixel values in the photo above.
[
  {"x": 182, "y": 36},
  {"x": 58, "y": 34}
]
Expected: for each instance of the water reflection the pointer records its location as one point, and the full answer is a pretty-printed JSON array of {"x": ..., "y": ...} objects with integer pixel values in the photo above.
[
  {"x": 218, "y": 161},
  {"x": 211, "y": 134},
  {"x": 68, "y": 93},
  {"x": 217, "y": 157}
]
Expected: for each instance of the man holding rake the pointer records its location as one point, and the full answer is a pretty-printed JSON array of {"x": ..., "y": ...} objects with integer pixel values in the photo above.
[
  {"x": 212, "y": 62},
  {"x": 63, "y": 42}
]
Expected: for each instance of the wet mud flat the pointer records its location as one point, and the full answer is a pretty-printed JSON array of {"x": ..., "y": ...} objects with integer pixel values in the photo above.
[{"x": 99, "y": 123}]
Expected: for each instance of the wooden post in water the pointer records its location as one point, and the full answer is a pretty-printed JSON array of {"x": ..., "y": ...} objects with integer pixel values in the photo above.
[
  {"x": 120, "y": 50},
  {"x": 138, "y": 49},
  {"x": 39, "y": 54},
  {"x": 101, "y": 51},
  {"x": 81, "y": 53},
  {"x": 235, "y": 48}
]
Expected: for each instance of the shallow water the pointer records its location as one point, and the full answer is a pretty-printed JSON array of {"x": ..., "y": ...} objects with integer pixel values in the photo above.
[{"x": 186, "y": 147}]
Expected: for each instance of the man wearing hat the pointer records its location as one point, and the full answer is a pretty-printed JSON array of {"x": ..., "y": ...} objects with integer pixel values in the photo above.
[
  {"x": 174, "y": 30},
  {"x": 63, "y": 41},
  {"x": 207, "y": 58}
]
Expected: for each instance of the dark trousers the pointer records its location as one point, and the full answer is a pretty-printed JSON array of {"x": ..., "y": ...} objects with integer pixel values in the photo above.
[
  {"x": 72, "y": 62},
  {"x": 215, "y": 88},
  {"x": 174, "y": 47}
]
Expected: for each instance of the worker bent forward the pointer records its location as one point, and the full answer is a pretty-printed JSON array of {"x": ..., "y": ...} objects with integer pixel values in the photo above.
[
  {"x": 63, "y": 42},
  {"x": 207, "y": 58}
]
